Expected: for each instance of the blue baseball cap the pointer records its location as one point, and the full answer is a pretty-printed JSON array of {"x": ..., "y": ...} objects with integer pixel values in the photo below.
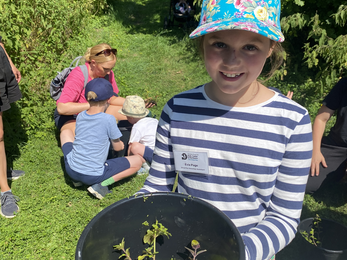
[
  {"x": 259, "y": 16},
  {"x": 101, "y": 87}
]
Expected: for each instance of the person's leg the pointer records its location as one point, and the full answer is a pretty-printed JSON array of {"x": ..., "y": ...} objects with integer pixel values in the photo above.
[
  {"x": 115, "y": 170},
  {"x": 136, "y": 148},
  {"x": 135, "y": 162},
  {"x": 9, "y": 208},
  {"x": 336, "y": 158},
  {"x": 70, "y": 127},
  {"x": 66, "y": 135},
  {"x": 3, "y": 164}
]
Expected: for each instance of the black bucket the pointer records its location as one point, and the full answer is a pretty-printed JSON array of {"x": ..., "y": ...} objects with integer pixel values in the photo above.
[
  {"x": 185, "y": 217},
  {"x": 333, "y": 238}
]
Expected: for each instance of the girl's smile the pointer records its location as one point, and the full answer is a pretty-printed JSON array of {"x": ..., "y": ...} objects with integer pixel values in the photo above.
[{"x": 234, "y": 59}]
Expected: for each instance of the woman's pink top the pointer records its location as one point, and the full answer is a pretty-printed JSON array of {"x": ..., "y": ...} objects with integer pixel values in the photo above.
[{"x": 73, "y": 90}]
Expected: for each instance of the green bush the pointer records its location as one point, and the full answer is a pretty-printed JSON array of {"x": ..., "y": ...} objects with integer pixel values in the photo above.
[
  {"x": 36, "y": 35},
  {"x": 315, "y": 34}
]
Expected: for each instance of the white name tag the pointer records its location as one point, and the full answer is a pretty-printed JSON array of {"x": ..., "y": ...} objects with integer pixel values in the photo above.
[{"x": 194, "y": 162}]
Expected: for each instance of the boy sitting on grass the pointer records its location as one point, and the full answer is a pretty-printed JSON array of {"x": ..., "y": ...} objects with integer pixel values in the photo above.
[
  {"x": 142, "y": 137},
  {"x": 85, "y": 155}
]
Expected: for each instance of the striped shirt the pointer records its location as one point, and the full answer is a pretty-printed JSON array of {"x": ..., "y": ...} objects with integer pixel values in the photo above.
[{"x": 259, "y": 160}]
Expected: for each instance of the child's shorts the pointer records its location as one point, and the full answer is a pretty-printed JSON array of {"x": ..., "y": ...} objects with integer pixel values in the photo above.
[
  {"x": 9, "y": 89},
  {"x": 148, "y": 155},
  {"x": 112, "y": 167}
]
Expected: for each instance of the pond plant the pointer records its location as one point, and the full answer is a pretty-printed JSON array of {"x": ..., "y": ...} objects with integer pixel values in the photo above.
[
  {"x": 313, "y": 236},
  {"x": 150, "y": 238}
]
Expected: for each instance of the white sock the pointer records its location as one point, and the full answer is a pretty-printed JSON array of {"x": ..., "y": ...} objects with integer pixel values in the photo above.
[{"x": 2, "y": 193}]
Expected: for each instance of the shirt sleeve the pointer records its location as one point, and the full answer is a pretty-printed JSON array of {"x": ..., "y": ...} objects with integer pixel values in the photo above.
[
  {"x": 72, "y": 88},
  {"x": 135, "y": 135},
  {"x": 113, "y": 82},
  {"x": 114, "y": 132},
  {"x": 334, "y": 99},
  {"x": 279, "y": 226},
  {"x": 162, "y": 172}
]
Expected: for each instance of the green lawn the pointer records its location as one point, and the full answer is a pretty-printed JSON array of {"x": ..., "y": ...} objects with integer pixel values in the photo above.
[{"x": 151, "y": 63}]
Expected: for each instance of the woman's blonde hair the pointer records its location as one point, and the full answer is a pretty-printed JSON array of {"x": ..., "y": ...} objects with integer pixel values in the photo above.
[{"x": 91, "y": 53}]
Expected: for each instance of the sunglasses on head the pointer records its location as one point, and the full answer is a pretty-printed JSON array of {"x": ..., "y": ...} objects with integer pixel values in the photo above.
[{"x": 107, "y": 52}]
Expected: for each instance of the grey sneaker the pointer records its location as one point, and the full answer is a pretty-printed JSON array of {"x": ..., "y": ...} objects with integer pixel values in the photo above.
[
  {"x": 14, "y": 174},
  {"x": 98, "y": 190},
  {"x": 9, "y": 208}
]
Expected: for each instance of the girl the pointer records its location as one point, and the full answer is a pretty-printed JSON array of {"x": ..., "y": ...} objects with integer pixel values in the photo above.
[{"x": 235, "y": 143}]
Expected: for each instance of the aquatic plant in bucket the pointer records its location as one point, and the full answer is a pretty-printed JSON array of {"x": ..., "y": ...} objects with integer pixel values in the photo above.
[
  {"x": 186, "y": 218},
  {"x": 323, "y": 239}
]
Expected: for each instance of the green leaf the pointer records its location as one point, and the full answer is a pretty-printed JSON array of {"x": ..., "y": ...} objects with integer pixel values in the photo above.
[{"x": 299, "y": 2}]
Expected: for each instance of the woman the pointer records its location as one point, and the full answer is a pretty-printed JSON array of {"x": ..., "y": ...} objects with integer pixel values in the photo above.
[{"x": 100, "y": 61}]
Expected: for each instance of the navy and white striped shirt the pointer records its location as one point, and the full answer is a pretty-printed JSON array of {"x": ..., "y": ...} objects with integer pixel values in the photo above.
[{"x": 259, "y": 160}]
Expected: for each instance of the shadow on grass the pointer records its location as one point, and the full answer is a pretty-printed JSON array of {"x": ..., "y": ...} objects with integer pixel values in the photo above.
[
  {"x": 149, "y": 17},
  {"x": 14, "y": 134}
]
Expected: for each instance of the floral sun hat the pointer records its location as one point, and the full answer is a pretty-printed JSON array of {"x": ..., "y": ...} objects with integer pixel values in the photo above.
[
  {"x": 134, "y": 106},
  {"x": 259, "y": 16}
]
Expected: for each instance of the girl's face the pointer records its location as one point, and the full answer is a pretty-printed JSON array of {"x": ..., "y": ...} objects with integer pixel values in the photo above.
[
  {"x": 100, "y": 70},
  {"x": 234, "y": 59}
]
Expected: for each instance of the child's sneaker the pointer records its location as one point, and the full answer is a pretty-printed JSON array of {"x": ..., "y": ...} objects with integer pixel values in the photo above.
[
  {"x": 14, "y": 174},
  {"x": 98, "y": 190},
  {"x": 9, "y": 208}
]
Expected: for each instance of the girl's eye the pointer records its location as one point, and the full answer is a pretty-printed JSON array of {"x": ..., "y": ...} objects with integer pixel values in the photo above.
[
  {"x": 250, "y": 48},
  {"x": 220, "y": 45}
]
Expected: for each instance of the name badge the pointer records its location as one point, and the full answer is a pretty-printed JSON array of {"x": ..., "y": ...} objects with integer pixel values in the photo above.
[{"x": 194, "y": 162}]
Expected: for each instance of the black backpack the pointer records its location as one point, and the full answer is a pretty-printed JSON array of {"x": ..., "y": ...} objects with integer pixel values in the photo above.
[{"x": 57, "y": 84}]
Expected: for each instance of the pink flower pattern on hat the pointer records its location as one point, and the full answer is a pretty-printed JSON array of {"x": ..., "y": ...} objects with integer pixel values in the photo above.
[{"x": 259, "y": 16}]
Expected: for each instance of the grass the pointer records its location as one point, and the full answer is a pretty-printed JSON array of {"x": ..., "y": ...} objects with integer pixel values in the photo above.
[{"x": 151, "y": 63}]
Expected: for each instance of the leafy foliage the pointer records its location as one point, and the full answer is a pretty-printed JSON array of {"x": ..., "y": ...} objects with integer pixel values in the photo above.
[
  {"x": 313, "y": 236},
  {"x": 36, "y": 35},
  {"x": 150, "y": 238}
]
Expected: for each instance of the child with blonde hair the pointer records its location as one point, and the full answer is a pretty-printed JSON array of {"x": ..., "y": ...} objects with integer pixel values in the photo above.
[
  {"x": 85, "y": 154},
  {"x": 235, "y": 143}
]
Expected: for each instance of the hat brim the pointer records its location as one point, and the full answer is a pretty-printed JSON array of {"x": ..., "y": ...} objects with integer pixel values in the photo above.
[
  {"x": 124, "y": 113},
  {"x": 263, "y": 28}
]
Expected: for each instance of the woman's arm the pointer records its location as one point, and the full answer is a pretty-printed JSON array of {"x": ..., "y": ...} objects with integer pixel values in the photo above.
[
  {"x": 117, "y": 101},
  {"x": 71, "y": 108},
  {"x": 324, "y": 114}
]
